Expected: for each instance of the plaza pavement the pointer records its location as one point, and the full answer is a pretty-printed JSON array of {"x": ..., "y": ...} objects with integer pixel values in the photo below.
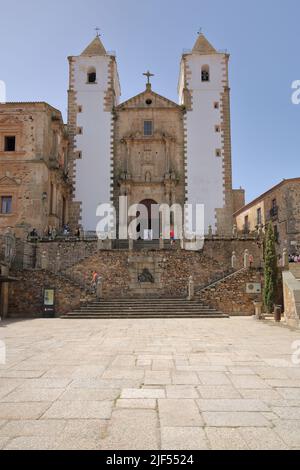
[{"x": 149, "y": 384}]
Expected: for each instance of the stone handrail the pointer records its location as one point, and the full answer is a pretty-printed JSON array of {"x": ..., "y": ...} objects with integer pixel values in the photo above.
[{"x": 228, "y": 275}]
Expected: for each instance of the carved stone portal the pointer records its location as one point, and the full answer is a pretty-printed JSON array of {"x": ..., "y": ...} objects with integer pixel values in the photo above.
[{"x": 145, "y": 274}]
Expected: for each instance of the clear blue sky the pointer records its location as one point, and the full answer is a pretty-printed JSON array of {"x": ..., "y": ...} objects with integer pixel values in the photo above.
[{"x": 262, "y": 36}]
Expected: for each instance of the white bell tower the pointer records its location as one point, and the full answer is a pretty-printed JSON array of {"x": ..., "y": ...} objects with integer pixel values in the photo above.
[
  {"x": 204, "y": 91},
  {"x": 94, "y": 90}
]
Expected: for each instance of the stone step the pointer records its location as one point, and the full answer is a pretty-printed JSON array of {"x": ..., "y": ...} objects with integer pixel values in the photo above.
[
  {"x": 82, "y": 315},
  {"x": 145, "y": 308}
]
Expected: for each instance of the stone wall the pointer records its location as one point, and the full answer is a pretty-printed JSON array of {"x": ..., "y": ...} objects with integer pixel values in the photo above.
[
  {"x": 230, "y": 295},
  {"x": 119, "y": 270},
  {"x": 58, "y": 256},
  {"x": 26, "y": 295}
]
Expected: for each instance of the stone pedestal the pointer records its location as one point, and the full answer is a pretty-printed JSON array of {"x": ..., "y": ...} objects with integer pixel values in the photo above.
[
  {"x": 99, "y": 289},
  {"x": 258, "y": 311}
]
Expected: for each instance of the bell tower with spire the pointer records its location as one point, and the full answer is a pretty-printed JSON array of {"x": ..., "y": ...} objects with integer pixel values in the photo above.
[
  {"x": 204, "y": 92},
  {"x": 94, "y": 91}
]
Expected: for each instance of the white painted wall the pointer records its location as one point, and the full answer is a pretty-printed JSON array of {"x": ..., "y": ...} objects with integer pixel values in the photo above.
[
  {"x": 205, "y": 181},
  {"x": 93, "y": 171}
]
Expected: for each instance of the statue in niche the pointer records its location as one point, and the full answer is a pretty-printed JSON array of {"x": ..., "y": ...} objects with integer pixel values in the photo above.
[
  {"x": 148, "y": 177},
  {"x": 146, "y": 276}
]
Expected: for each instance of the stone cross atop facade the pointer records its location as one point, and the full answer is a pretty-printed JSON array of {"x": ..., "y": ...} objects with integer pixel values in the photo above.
[{"x": 148, "y": 75}]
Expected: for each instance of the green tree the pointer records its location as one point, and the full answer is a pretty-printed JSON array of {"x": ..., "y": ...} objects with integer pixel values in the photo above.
[{"x": 270, "y": 270}]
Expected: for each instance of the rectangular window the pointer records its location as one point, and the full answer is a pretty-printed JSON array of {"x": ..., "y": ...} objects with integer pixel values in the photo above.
[
  {"x": 9, "y": 143},
  {"x": 259, "y": 218},
  {"x": 148, "y": 128},
  {"x": 6, "y": 204},
  {"x": 246, "y": 224},
  {"x": 218, "y": 153},
  {"x": 274, "y": 208}
]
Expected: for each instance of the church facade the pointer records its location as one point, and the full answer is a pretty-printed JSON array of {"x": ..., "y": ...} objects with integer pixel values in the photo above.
[{"x": 149, "y": 148}]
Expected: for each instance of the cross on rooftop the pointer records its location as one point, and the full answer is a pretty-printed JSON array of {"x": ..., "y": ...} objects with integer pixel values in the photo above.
[
  {"x": 97, "y": 32},
  {"x": 200, "y": 31},
  {"x": 148, "y": 75}
]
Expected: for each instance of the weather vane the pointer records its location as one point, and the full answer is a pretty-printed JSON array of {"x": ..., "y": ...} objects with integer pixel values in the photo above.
[
  {"x": 148, "y": 75},
  {"x": 97, "y": 32}
]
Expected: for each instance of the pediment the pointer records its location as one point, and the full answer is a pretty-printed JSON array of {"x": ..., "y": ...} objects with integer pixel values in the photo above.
[
  {"x": 140, "y": 101},
  {"x": 8, "y": 181}
]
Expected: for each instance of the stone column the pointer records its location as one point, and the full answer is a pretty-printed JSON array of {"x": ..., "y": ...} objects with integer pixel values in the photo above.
[
  {"x": 285, "y": 260},
  {"x": 246, "y": 259},
  {"x": 234, "y": 231},
  {"x": 130, "y": 244},
  {"x": 233, "y": 260},
  {"x": 191, "y": 288},
  {"x": 99, "y": 288}
]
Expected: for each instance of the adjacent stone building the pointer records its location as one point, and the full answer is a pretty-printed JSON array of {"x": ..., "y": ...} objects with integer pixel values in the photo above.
[
  {"x": 34, "y": 188},
  {"x": 280, "y": 205}
]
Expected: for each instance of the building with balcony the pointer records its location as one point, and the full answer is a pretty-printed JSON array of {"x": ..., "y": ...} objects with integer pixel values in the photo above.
[{"x": 280, "y": 205}]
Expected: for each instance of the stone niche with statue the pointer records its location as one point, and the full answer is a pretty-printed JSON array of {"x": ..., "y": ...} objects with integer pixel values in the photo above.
[{"x": 145, "y": 274}]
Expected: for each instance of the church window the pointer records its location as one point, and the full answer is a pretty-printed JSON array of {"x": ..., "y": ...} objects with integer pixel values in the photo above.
[
  {"x": 148, "y": 128},
  {"x": 80, "y": 109},
  {"x": 79, "y": 130},
  {"x": 6, "y": 204},
  {"x": 10, "y": 143},
  {"x": 92, "y": 76},
  {"x": 217, "y": 128},
  {"x": 216, "y": 105},
  {"x": 218, "y": 153},
  {"x": 148, "y": 102},
  {"x": 205, "y": 77}
]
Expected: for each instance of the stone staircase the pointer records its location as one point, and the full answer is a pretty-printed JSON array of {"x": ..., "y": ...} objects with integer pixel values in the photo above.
[{"x": 144, "y": 308}]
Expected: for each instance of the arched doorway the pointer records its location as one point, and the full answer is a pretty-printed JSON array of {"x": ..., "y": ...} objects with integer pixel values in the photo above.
[{"x": 153, "y": 220}]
